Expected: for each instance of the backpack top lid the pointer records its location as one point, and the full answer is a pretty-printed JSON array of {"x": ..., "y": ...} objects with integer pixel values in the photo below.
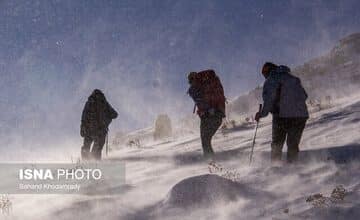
[
  {"x": 203, "y": 77},
  {"x": 209, "y": 71},
  {"x": 207, "y": 74}
]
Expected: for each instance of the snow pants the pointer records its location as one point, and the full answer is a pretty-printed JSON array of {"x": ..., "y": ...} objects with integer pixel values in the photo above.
[
  {"x": 289, "y": 129},
  {"x": 96, "y": 150},
  {"x": 208, "y": 126}
]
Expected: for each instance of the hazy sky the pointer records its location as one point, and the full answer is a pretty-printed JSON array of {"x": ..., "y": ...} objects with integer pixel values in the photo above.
[{"x": 54, "y": 53}]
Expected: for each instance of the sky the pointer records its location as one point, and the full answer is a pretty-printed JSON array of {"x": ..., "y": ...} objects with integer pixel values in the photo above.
[{"x": 54, "y": 53}]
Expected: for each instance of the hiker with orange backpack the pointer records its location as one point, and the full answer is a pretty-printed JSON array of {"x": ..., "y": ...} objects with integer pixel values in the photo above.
[{"x": 208, "y": 94}]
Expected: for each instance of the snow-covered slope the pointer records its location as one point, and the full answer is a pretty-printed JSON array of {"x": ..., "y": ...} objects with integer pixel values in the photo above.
[{"x": 170, "y": 180}]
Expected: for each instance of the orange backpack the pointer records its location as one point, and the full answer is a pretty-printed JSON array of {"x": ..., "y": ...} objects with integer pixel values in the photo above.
[{"x": 212, "y": 90}]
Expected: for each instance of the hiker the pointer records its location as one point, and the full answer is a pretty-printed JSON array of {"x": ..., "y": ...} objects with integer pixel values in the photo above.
[
  {"x": 95, "y": 120},
  {"x": 208, "y": 94},
  {"x": 284, "y": 97}
]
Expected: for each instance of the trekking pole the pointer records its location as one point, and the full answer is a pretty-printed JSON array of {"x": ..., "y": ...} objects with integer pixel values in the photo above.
[
  {"x": 253, "y": 143},
  {"x": 107, "y": 144}
]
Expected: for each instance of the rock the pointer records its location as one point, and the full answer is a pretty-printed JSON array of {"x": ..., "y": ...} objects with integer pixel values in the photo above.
[
  {"x": 163, "y": 128},
  {"x": 208, "y": 189}
]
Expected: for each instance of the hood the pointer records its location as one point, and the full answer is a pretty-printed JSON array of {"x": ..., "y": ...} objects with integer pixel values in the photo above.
[
  {"x": 97, "y": 95},
  {"x": 283, "y": 69}
]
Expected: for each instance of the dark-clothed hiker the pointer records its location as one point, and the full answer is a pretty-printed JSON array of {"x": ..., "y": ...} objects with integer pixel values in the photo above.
[
  {"x": 95, "y": 120},
  {"x": 285, "y": 98},
  {"x": 208, "y": 94}
]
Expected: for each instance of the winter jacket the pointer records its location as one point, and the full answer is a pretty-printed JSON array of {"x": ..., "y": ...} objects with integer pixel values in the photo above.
[
  {"x": 283, "y": 95},
  {"x": 96, "y": 116}
]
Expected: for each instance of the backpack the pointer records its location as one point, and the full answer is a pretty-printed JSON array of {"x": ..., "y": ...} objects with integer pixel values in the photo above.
[{"x": 211, "y": 89}]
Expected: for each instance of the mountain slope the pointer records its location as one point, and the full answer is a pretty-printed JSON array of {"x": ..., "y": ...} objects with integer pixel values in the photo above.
[
  {"x": 334, "y": 75},
  {"x": 167, "y": 178}
]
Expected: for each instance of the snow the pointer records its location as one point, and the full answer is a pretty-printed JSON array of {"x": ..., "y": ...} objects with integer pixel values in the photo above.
[{"x": 171, "y": 180}]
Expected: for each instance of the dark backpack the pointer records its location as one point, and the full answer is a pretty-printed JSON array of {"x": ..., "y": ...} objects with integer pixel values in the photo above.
[{"x": 211, "y": 89}]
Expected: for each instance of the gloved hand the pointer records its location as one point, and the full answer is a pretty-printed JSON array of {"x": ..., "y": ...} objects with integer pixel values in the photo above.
[{"x": 257, "y": 116}]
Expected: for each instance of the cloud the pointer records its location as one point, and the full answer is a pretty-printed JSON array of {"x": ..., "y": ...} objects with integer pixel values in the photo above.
[{"x": 139, "y": 54}]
